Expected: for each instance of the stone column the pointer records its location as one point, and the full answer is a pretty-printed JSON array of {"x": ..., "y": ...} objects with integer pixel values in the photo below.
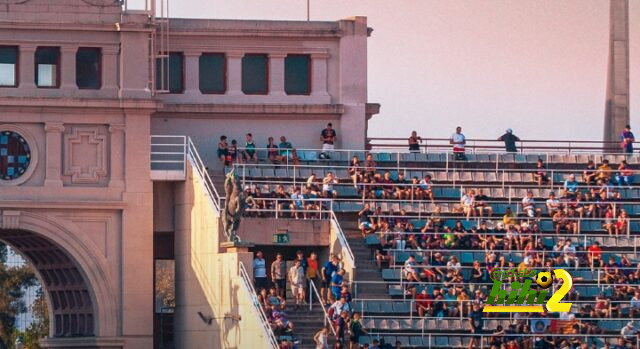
[
  {"x": 110, "y": 70},
  {"x": 27, "y": 66},
  {"x": 276, "y": 74},
  {"x": 319, "y": 74},
  {"x": 617, "y": 103},
  {"x": 116, "y": 156},
  {"x": 68, "y": 67},
  {"x": 54, "y": 154},
  {"x": 192, "y": 73},
  {"x": 234, "y": 73}
]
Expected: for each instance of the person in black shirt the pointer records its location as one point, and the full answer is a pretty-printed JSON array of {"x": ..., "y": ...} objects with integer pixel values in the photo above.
[
  {"x": 476, "y": 320},
  {"x": 414, "y": 142},
  {"x": 509, "y": 141},
  {"x": 328, "y": 138}
]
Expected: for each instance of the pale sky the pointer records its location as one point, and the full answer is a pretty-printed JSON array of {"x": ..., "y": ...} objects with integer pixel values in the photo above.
[{"x": 538, "y": 67}]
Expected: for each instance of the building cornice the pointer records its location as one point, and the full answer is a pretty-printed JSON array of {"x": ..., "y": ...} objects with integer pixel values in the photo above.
[
  {"x": 211, "y": 110},
  {"x": 71, "y": 104}
]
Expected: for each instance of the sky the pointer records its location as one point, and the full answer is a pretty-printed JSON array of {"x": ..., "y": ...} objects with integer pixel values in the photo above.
[{"x": 538, "y": 67}]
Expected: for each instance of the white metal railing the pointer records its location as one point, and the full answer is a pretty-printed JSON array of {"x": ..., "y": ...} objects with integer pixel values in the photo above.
[
  {"x": 201, "y": 170},
  {"x": 284, "y": 208},
  {"x": 343, "y": 241},
  {"x": 327, "y": 320},
  {"x": 257, "y": 308},
  {"x": 168, "y": 153}
]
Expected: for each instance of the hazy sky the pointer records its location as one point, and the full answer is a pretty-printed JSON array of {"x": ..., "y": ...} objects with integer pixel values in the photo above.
[{"x": 538, "y": 67}]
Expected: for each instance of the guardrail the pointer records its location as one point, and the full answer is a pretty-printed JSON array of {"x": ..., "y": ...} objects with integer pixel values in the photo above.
[
  {"x": 327, "y": 320},
  {"x": 169, "y": 154},
  {"x": 347, "y": 254},
  {"x": 276, "y": 207},
  {"x": 257, "y": 309},
  {"x": 201, "y": 170}
]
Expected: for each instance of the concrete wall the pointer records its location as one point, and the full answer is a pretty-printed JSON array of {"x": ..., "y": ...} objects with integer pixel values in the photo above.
[
  {"x": 207, "y": 280},
  {"x": 260, "y": 231},
  {"x": 336, "y": 248}
]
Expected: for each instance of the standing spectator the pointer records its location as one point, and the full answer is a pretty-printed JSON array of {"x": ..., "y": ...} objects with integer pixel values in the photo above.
[
  {"x": 414, "y": 142},
  {"x": 337, "y": 281},
  {"x": 223, "y": 151},
  {"x": 279, "y": 274},
  {"x": 260, "y": 272},
  {"x": 356, "y": 329},
  {"x": 322, "y": 338},
  {"x": 476, "y": 320},
  {"x": 249, "y": 153},
  {"x": 328, "y": 137},
  {"x": 627, "y": 139},
  {"x": 312, "y": 270},
  {"x": 297, "y": 279},
  {"x": 342, "y": 327},
  {"x": 458, "y": 141},
  {"x": 327, "y": 272},
  {"x": 509, "y": 141}
]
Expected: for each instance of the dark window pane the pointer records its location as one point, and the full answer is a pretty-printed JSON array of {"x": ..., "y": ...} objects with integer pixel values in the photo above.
[
  {"x": 296, "y": 74},
  {"x": 212, "y": 73},
  {"x": 174, "y": 81},
  {"x": 47, "y": 62},
  {"x": 254, "y": 74},
  {"x": 88, "y": 68},
  {"x": 8, "y": 65}
]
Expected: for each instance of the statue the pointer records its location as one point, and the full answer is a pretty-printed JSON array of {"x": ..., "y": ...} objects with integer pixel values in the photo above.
[{"x": 234, "y": 206}]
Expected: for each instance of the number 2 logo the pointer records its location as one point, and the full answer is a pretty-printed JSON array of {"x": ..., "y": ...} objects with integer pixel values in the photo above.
[{"x": 554, "y": 305}]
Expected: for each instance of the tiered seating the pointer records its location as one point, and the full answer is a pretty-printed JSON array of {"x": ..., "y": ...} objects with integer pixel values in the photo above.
[{"x": 505, "y": 179}]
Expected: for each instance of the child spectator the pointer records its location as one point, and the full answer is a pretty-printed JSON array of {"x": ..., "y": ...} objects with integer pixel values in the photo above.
[{"x": 223, "y": 150}]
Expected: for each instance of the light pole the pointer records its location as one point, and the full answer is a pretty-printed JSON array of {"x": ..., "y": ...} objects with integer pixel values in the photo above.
[{"x": 308, "y": 12}]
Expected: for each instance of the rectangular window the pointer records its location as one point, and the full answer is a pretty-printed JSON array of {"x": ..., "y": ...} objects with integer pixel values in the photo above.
[
  {"x": 48, "y": 67},
  {"x": 174, "y": 77},
  {"x": 8, "y": 66},
  {"x": 297, "y": 74},
  {"x": 213, "y": 73},
  {"x": 88, "y": 68},
  {"x": 255, "y": 74}
]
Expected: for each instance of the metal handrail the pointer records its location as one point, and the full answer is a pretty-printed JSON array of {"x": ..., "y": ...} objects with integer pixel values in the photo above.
[
  {"x": 182, "y": 145},
  {"x": 312, "y": 287},
  {"x": 201, "y": 170},
  {"x": 257, "y": 309},
  {"x": 343, "y": 239}
]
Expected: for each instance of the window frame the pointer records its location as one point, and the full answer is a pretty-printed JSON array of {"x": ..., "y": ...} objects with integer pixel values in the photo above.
[
  {"x": 58, "y": 68},
  {"x": 16, "y": 68},
  {"x": 225, "y": 67},
  {"x": 309, "y": 74},
  {"x": 99, "y": 73},
  {"x": 182, "y": 73},
  {"x": 267, "y": 74}
]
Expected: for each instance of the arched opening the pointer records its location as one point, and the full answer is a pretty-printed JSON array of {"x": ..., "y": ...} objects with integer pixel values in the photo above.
[{"x": 69, "y": 298}]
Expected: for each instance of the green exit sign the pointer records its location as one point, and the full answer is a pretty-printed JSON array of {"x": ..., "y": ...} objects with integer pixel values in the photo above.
[{"x": 281, "y": 238}]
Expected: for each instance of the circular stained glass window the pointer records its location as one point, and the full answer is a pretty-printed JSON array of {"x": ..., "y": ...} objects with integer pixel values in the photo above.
[{"x": 15, "y": 155}]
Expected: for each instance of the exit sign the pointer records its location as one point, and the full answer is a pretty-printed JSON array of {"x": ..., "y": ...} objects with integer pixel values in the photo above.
[{"x": 281, "y": 238}]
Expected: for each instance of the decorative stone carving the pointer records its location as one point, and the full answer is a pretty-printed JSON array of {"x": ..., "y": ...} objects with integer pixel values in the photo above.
[
  {"x": 85, "y": 155},
  {"x": 10, "y": 219}
]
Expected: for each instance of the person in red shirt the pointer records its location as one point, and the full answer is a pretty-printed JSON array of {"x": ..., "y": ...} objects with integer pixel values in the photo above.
[
  {"x": 423, "y": 303},
  {"x": 595, "y": 254}
]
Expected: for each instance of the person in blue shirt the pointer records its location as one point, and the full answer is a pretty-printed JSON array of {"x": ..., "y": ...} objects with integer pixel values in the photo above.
[
  {"x": 327, "y": 273},
  {"x": 571, "y": 186},
  {"x": 627, "y": 139},
  {"x": 337, "y": 281}
]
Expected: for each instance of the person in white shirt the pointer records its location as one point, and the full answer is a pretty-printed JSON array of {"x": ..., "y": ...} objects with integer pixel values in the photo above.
[
  {"x": 298, "y": 280},
  {"x": 634, "y": 309},
  {"x": 327, "y": 186},
  {"x": 458, "y": 141},
  {"x": 529, "y": 205},
  {"x": 553, "y": 204},
  {"x": 322, "y": 338},
  {"x": 468, "y": 203},
  {"x": 260, "y": 272},
  {"x": 569, "y": 253}
]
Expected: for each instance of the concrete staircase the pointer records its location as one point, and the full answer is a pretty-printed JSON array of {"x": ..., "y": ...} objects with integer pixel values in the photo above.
[
  {"x": 366, "y": 268},
  {"x": 306, "y": 323}
]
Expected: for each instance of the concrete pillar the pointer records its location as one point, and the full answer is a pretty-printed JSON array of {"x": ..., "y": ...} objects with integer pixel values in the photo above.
[
  {"x": 116, "y": 178},
  {"x": 27, "y": 66},
  {"x": 192, "y": 77},
  {"x": 234, "y": 73},
  {"x": 54, "y": 154},
  {"x": 110, "y": 70},
  {"x": 68, "y": 68},
  {"x": 276, "y": 74},
  {"x": 319, "y": 74},
  {"x": 617, "y": 103}
]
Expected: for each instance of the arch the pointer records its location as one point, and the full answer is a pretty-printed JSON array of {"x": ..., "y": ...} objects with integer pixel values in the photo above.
[{"x": 73, "y": 272}]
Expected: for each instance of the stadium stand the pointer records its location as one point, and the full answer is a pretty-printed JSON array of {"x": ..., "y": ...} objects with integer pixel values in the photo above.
[{"x": 427, "y": 231}]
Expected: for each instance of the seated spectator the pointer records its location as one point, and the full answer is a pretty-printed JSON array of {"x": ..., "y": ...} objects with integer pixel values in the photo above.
[
  {"x": 571, "y": 186},
  {"x": 295, "y": 160},
  {"x": 622, "y": 223},
  {"x": 625, "y": 174},
  {"x": 272, "y": 151},
  {"x": 604, "y": 172},
  {"x": 298, "y": 204},
  {"x": 424, "y": 303},
  {"x": 594, "y": 255},
  {"x": 402, "y": 188},
  {"x": 366, "y": 223},
  {"x": 468, "y": 203},
  {"x": 411, "y": 272},
  {"x": 284, "y": 146},
  {"x": 589, "y": 174},
  {"x": 369, "y": 166},
  {"x": 249, "y": 153},
  {"x": 279, "y": 321},
  {"x": 426, "y": 187},
  {"x": 634, "y": 306},
  {"x": 529, "y": 206},
  {"x": 234, "y": 153},
  {"x": 540, "y": 175},
  {"x": 481, "y": 204},
  {"x": 327, "y": 186},
  {"x": 569, "y": 254},
  {"x": 509, "y": 217},
  {"x": 355, "y": 171},
  {"x": 553, "y": 205},
  {"x": 414, "y": 142},
  {"x": 273, "y": 299}
]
